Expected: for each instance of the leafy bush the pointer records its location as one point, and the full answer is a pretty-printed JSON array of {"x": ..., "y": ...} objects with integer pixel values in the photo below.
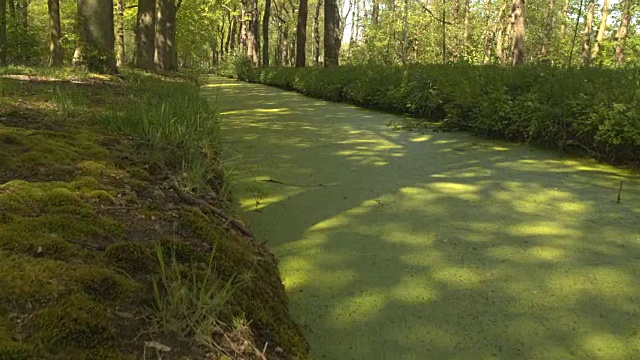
[{"x": 593, "y": 110}]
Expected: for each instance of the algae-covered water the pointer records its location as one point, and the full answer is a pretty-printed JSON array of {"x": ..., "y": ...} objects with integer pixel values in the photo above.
[{"x": 403, "y": 245}]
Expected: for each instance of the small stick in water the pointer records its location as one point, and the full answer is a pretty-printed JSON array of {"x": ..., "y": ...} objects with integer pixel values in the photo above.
[{"x": 619, "y": 191}]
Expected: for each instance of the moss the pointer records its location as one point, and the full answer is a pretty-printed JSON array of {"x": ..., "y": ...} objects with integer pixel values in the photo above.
[
  {"x": 11, "y": 350},
  {"x": 106, "y": 285},
  {"x": 76, "y": 321},
  {"x": 79, "y": 214},
  {"x": 139, "y": 173},
  {"x": 130, "y": 256}
]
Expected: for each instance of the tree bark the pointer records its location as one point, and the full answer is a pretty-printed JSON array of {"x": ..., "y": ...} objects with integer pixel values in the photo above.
[
  {"x": 517, "y": 13},
  {"x": 265, "y": 33},
  {"x": 160, "y": 56},
  {"x": 120, "y": 38},
  {"x": 486, "y": 57},
  {"x": 301, "y": 34},
  {"x": 603, "y": 27},
  {"x": 546, "y": 43},
  {"x": 331, "y": 33},
  {"x": 375, "y": 13},
  {"x": 171, "y": 62},
  {"x": 586, "y": 35},
  {"x": 96, "y": 37},
  {"x": 465, "y": 34},
  {"x": 145, "y": 34},
  {"x": 3, "y": 32},
  {"x": 621, "y": 35},
  {"x": 405, "y": 32},
  {"x": 55, "y": 50},
  {"x": 565, "y": 11},
  {"x": 233, "y": 36},
  {"x": 316, "y": 34},
  {"x": 251, "y": 32}
]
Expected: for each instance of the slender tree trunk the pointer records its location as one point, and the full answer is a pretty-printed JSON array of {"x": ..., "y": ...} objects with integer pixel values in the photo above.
[
  {"x": 301, "y": 34},
  {"x": 586, "y": 35},
  {"x": 601, "y": 30},
  {"x": 3, "y": 32},
  {"x": 265, "y": 33},
  {"x": 444, "y": 32},
  {"x": 331, "y": 33},
  {"x": 55, "y": 50},
  {"x": 486, "y": 37},
  {"x": 621, "y": 36},
  {"x": 405, "y": 31},
  {"x": 233, "y": 37},
  {"x": 285, "y": 46},
  {"x": 517, "y": 12},
  {"x": 96, "y": 37},
  {"x": 316, "y": 34},
  {"x": 565, "y": 20},
  {"x": 145, "y": 34},
  {"x": 546, "y": 43},
  {"x": 120, "y": 38},
  {"x": 375, "y": 13},
  {"x": 465, "y": 34}
]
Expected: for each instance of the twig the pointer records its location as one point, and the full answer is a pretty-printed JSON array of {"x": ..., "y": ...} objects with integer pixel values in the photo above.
[
  {"x": 228, "y": 220},
  {"x": 619, "y": 191}
]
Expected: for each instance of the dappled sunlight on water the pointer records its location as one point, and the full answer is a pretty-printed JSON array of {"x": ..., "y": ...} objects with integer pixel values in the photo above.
[{"x": 402, "y": 245}]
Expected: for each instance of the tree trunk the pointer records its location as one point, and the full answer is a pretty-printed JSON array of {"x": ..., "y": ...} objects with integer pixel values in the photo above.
[
  {"x": 586, "y": 35},
  {"x": 465, "y": 34},
  {"x": 120, "y": 37},
  {"x": 565, "y": 11},
  {"x": 160, "y": 48},
  {"x": 316, "y": 34},
  {"x": 265, "y": 33},
  {"x": 375, "y": 12},
  {"x": 486, "y": 57},
  {"x": 301, "y": 34},
  {"x": 171, "y": 62},
  {"x": 603, "y": 27},
  {"x": 285, "y": 45},
  {"x": 251, "y": 32},
  {"x": 3, "y": 32},
  {"x": 546, "y": 43},
  {"x": 331, "y": 33},
  {"x": 233, "y": 37},
  {"x": 621, "y": 36},
  {"x": 405, "y": 31},
  {"x": 517, "y": 13},
  {"x": 145, "y": 34},
  {"x": 55, "y": 50},
  {"x": 96, "y": 38}
]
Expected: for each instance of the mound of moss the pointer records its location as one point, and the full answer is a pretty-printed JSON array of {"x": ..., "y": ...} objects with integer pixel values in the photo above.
[{"x": 82, "y": 213}]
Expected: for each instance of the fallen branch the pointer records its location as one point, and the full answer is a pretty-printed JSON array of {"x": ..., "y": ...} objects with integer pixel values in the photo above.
[{"x": 229, "y": 221}]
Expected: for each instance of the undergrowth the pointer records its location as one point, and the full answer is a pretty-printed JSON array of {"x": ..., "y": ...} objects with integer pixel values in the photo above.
[{"x": 593, "y": 111}]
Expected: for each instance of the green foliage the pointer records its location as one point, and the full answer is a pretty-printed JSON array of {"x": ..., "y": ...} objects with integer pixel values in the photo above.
[{"x": 590, "y": 109}]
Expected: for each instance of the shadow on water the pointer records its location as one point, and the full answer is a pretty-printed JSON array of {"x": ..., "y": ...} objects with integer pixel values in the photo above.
[{"x": 402, "y": 245}]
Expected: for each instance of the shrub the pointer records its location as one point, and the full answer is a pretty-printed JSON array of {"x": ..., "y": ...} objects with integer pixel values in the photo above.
[{"x": 591, "y": 109}]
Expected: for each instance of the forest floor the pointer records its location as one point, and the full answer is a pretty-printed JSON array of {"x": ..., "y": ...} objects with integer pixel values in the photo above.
[
  {"x": 431, "y": 245},
  {"x": 103, "y": 253}
]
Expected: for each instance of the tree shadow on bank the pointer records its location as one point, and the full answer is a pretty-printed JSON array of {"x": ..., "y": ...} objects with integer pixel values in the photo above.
[{"x": 403, "y": 245}]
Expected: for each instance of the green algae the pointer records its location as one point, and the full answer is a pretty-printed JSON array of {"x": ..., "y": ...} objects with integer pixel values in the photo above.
[{"x": 408, "y": 245}]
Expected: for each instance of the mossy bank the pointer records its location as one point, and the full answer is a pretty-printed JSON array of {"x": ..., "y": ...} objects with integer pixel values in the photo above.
[{"x": 94, "y": 238}]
